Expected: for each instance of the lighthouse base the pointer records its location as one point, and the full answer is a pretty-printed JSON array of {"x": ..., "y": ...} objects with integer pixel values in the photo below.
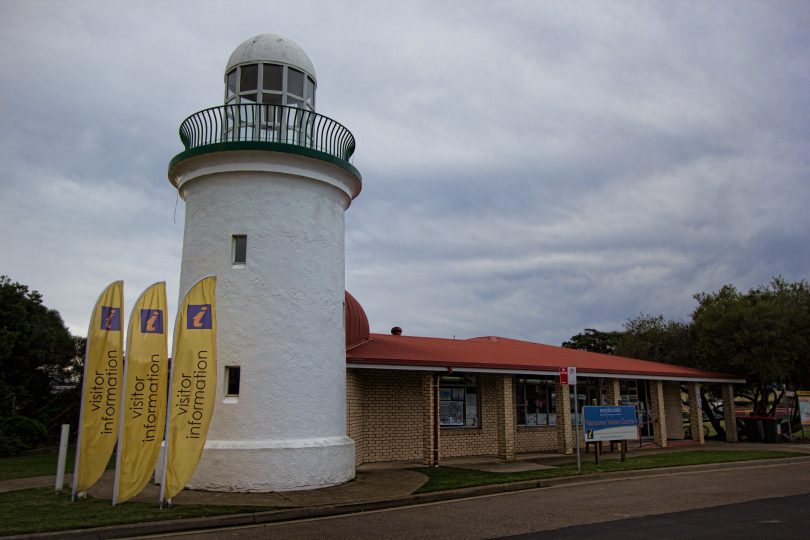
[{"x": 262, "y": 466}]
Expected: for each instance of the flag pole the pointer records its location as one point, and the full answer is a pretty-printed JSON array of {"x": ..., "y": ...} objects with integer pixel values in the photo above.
[
  {"x": 166, "y": 431},
  {"x": 120, "y": 431},
  {"x": 78, "y": 455}
]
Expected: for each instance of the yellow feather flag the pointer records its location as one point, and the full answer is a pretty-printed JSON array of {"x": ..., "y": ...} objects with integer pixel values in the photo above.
[
  {"x": 143, "y": 416},
  {"x": 192, "y": 392},
  {"x": 101, "y": 389}
]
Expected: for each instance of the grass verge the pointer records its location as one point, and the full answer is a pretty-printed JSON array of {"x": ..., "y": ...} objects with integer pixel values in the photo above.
[
  {"x": 41, "y": 509},
  {"x": 28, "y": 465},
  {"x": 38, "y": 464},
  {"x": 444, "y": 478}
]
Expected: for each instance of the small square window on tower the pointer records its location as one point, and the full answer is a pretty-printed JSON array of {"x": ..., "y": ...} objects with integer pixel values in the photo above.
[
  {"x": 239, "y": 249},
  {"x": 232, "y": 381}
]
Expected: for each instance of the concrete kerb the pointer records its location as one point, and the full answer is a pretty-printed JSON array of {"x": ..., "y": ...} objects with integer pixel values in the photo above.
[{"x": 293, "y": 514}]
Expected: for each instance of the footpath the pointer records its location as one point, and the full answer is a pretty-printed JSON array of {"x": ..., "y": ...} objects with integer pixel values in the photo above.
[{"x": 376, "y": 486}]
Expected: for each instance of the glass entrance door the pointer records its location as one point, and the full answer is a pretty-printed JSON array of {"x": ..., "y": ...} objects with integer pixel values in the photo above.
[{"x": 637, "y": 393}]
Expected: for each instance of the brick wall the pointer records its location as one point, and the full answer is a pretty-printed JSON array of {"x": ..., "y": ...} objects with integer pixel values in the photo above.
[
  {"x": 565, "y": 431},
  {"x": 390, "y": 417},
  {"x": 505, "y": 396},
  {"x": 673, "y": 407},
  {"x": 536, "y": 439},
  {"x": 354, "y": 413},
  {"x": 612, "y": 391},
  {"x": 695, "y": 412},
  {"x": 728, "y": 413},
  {"x": 392, "y": 412},
  {"x": 429, "y": 394},
  {"x": 658, "y": 412},
  {"x": 480, "y": 441}
]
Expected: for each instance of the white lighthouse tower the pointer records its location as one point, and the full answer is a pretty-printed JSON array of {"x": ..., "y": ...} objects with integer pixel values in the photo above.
[{"x": 266, "y": 183}]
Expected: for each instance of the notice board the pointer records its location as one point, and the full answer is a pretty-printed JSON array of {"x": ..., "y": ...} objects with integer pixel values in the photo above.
[{"x": 609, "y": 423}]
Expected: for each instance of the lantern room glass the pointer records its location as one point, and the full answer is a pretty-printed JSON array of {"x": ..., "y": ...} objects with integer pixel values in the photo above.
[{"x": 271, "y": 84}]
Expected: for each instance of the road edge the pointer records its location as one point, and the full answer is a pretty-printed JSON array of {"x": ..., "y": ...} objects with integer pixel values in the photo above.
[{"x": 294, "y": 514}]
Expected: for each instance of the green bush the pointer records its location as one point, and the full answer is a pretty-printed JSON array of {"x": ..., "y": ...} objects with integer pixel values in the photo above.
[{"x": 19, "y": 434}]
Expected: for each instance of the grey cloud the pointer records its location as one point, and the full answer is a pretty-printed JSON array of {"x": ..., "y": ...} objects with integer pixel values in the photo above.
[{"x": 530, "y": 169}]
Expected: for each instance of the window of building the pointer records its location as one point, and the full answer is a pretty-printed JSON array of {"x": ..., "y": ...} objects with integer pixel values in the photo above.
[
  {"x": 458, "y": 401},
  {"x": 272, "y": 99},
  {"x": 295, "y": 82},
  {"x": 269, "y": 84},
  {"x": 536, "y": 401},
  {"x": 273, "y": 78},
  {"x": 248, "y": 78},
  {"x": 230, "y": 86},
  {"x": 232, "y": 380},
  {"x": 629, "y": 392},
  {"x": 590, "y": 391},
  {"x": 587, "y": 394},
  {"x": 309, "y": 94},
  {"x": 239, "y": 249}
]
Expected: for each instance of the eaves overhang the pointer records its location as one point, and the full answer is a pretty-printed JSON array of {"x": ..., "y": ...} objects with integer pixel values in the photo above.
[{"x": 501, "y": 369}]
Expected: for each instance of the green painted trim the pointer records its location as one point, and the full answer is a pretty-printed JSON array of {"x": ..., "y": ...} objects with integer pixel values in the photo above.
[{"x": 266, "y": 147}]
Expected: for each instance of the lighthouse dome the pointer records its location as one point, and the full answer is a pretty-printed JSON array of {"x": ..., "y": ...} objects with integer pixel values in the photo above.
[
  {"x": 271, "y": 48},
  {"x": 357, "y": 330},
  {"x": 270, "y": 69}
]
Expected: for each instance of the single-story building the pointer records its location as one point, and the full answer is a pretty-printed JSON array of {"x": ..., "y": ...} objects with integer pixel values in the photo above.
[{"x": 426, "y": 398}]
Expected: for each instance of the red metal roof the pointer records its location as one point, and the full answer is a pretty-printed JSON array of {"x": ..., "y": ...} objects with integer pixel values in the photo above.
[{"x": 502, "y": 354}]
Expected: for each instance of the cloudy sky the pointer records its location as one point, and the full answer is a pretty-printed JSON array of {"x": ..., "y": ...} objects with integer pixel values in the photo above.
[{"x": 530, "y": 168}]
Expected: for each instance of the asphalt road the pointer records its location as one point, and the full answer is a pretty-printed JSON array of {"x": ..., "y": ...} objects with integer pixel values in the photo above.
[
  {"x": 761, "y": 501},
  {"x": 781, "y": 517}
]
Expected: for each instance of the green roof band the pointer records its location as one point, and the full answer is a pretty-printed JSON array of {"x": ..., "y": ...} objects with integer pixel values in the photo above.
[{"x": 267, "y": 147}]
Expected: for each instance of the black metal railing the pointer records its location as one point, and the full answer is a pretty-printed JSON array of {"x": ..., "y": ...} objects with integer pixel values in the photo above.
[{"x": 256, "y": 122}]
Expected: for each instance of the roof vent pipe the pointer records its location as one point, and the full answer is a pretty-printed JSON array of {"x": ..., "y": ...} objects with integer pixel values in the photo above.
[{"x": 396, "y": 331}]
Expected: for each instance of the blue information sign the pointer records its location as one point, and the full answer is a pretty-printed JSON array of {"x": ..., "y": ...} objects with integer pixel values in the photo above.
[{"x": 608, "y": 423}]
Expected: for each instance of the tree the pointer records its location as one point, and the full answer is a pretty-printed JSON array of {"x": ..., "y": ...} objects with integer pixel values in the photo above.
[
  {"x": 763, "y": 335},
  {"x": 593, "y": 340},
  {"x": 652, "y": 337},
  {"x": 35, "y": 348}
]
